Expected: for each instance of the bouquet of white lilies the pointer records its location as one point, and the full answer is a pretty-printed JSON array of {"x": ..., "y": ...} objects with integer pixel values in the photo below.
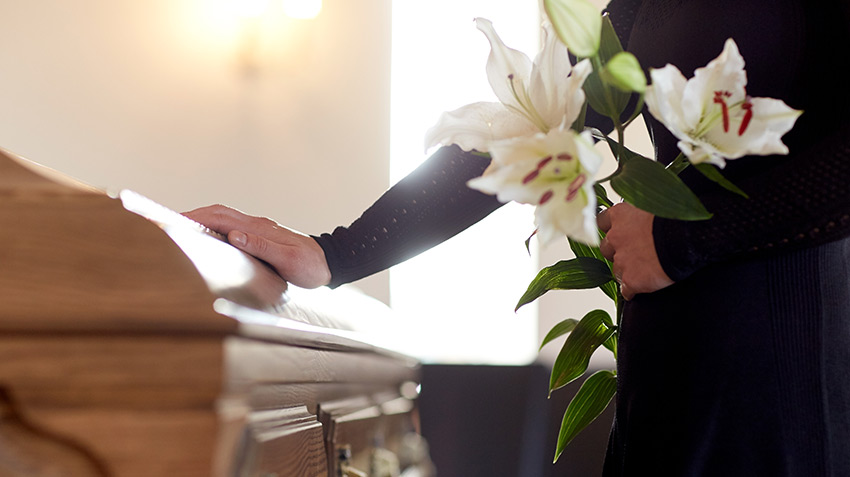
[{"x": 542, "y": 154}]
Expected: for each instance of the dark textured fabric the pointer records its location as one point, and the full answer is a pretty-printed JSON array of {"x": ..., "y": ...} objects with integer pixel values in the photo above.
[
  {"x": 741, "y": 367},
  {"x": 427, "y": 207},
  {"x": 801, "y": 202},
  {"x": 796, "y": 201}
]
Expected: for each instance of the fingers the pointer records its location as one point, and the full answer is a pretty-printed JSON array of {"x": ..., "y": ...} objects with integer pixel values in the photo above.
[
  {"x": 298, "y": 259},
  {"x": 253, "y": 244},
  {"x": 266, "y": 250},
  {"x": 224, "y": 220},
  {"x": 239, "y": 239},
  {"x": 607, "y": 249},
  {"x": 625, "y": 290},
  {"x": 630, "y": 247},
  {"x": 220, "y": 218},
  {"x": 603, "y": 220}
]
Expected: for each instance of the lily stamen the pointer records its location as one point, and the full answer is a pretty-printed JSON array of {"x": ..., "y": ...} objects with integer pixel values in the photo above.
[
  {"x": 575, "y": 187},
  {"x": 708, "y": 121},
  {"x": 527, "y": 109},
  {"x": 718, "y": 99},
  {"x": 748, "y": 115},
  {"x": 711, "y": 115}
]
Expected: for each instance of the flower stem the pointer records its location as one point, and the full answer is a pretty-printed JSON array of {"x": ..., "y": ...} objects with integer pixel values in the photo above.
[
  {"x": 621, "y": 137},
  {"x": 609, "y": 100},
  {"x": 679, "y": 164},
  {"x": 636, "y": 112}
]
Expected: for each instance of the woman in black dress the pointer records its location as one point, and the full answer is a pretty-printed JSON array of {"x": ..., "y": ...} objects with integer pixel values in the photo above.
[{"x": 742, "y": 366}]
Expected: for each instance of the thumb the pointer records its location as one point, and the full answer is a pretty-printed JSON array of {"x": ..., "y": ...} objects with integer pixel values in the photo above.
[
  {"x": 301, "y": 262},
  {"x": 627, "y": 292},
  {"x": 250, "y": 243}
]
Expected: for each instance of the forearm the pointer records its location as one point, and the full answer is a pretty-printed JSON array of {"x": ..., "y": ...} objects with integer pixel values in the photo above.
[
  {"x": 427, "y": 207},
  {"x": 802, "y": 203}
]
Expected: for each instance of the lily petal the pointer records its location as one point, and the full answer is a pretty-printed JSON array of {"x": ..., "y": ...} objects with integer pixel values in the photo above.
[
  {"x": 711, "y": 114},
  {"x": 698, "y": 153},
  {"x": 664, "y": 98},
  {"x": 573, "y": 95},
  {"x": 504, "y": 65},
  {"x": 575, "y": 219},
  {"x": 553, "y": 171},
  {"x": 771, "y": 119},
  {"x": 547, "y": 86},
  {"x": 533, "y": 99},
  {"x": 722, "y": 74},
  {"x": 476, "y": 125}
]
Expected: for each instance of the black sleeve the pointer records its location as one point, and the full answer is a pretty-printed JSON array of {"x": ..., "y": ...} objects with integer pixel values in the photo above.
[
  {"x": 622, "y": 14},
  {"x": 803, "y": 202},
  {"x": 796, "y": 201},
  {"x": 429, "y": 206}
]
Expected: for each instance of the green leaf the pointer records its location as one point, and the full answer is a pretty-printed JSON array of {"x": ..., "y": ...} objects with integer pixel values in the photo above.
[
  {"x": 592, "y": 398},
  {"x": 611, "y": 344},
  {"x": 574, "y": 357},
  {"x": 560, "y": 329},
  {"x": 578, "y": 124},
  {"x": 606, "y": 318},
  {"x": 602, "y": 195},
  {"x": 647, "y": 185},
  {"x": 609, "y": 42},
  {"x": 584, "y": 250},
  {"x": 528, "y": 241},
  {"x": 623, "y": 71},
  {"x": 714, "y": 174},
  {"x": 578, "y": 24},
  {"x": 605, "y": 100},
  {"x": 575, "y": 274}
]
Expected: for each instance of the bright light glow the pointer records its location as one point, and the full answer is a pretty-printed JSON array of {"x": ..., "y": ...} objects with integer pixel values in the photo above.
[
  {"x": 225, "y": 20},
  {"x": 302, "y": 9},
  {"x": 461, "y": 295},
  {"x": 243, "y": 8}
]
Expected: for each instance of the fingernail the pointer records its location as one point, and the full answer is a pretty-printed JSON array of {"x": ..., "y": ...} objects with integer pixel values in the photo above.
[{"x": 238, "y": 238}]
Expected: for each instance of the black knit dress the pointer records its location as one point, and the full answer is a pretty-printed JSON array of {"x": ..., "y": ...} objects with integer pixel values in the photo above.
[{"x": 742, "y": 367}]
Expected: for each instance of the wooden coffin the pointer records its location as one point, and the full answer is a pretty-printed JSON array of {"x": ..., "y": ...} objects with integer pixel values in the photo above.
[{"x": 134, "y": 342}]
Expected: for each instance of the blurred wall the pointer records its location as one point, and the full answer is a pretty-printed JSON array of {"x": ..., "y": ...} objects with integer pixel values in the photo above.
[{"x": 192, "y": 102}]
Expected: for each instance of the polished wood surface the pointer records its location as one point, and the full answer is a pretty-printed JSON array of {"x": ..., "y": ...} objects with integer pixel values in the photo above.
[
  {"x": 88, "y": 264},
  {"x": 135, "y": 343}
]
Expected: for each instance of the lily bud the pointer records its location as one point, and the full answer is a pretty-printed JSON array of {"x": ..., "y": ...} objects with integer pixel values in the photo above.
[
  {"x": 624, "y": 72},
  {"x": 578, "y": 24}
]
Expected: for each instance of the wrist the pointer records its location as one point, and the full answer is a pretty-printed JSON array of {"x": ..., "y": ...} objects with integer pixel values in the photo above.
[{"x": 322, "y": 273}]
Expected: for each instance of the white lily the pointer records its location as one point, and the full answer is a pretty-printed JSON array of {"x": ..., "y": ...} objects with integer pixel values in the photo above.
[
  {"x": 553, "y": 171},
  {"x": 534, "y": 97},
  {"x": 711, "y": 114}
]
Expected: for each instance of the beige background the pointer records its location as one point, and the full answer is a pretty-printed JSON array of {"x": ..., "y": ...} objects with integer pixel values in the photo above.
[{"x": 181, "y": 104}]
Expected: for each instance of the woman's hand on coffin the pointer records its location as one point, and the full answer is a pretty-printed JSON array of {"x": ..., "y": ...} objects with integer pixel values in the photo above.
[{"x": 295, "y": 256}]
